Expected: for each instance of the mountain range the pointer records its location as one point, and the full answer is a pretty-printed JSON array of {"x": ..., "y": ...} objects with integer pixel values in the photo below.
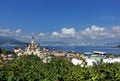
[
  {"x": 10, "y": 41},
  {"x": 53, "y": 43}
]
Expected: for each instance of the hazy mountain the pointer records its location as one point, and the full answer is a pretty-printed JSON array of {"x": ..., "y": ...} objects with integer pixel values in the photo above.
[
  {"x": 53, "y": 43},
  {"x": 118, "y": 46},
  {"x": 10, "y": 41},
  {"x": 113, "y": 44}
]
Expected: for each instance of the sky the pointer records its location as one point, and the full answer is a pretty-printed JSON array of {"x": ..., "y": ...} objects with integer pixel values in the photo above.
[{"x": 61, "y": 20}]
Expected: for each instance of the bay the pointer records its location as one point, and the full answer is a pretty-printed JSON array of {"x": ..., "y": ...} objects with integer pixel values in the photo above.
[{"x": 106, "y": 49}]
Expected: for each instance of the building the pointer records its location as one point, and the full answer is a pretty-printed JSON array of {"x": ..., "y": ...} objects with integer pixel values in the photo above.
[
  {"x": 18, "y": 51},
  {"x": 32, "y": 48}
]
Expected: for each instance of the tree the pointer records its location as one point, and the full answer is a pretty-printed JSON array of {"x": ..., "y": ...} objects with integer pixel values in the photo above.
[{"x": 0, "y": 50}]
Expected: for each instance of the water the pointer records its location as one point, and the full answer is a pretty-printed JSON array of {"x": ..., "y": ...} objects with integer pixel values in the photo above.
[
  {"x": 87, "y": 49},
  {"x": 76, "y": 48}
]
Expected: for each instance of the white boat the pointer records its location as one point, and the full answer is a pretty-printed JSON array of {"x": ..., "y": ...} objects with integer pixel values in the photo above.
[{"x": 99, "y": 52}]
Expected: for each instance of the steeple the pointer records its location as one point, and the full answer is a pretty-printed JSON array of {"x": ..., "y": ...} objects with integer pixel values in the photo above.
[
  {"x": 32, "y": 48},
  {"x": 32, "y": 41}
]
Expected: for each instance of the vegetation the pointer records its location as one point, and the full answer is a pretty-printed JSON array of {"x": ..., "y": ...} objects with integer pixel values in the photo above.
[
  {"x": 118, "y": 46},
  {"x": 31, "y": 68},
  {"x": 3, "y": 51}
]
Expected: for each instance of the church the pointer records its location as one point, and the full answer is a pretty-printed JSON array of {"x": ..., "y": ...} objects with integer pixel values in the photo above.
[{"x": 32, "y": 48}]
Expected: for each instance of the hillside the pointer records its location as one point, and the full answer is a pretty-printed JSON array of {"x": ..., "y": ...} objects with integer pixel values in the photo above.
[
  {"x": 118, "y": 46},
  {"x": 9, "y": 41}
]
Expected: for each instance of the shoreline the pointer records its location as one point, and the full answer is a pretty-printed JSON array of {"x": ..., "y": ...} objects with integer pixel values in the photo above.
[{"x": 77, "y": 49}]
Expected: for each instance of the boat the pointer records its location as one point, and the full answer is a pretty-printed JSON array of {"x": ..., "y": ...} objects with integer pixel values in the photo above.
[
  {"x": 94, "y": 54},
  {"x": 99, "y": 52}
]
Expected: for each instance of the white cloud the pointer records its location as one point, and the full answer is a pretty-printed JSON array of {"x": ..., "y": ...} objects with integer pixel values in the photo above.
[
  {"x": 93, "y": 29},
  {"x": 100, "y": 33},
  {"x": 18, "y": 31},
  {"x": 55, "y": 34},
  {"x": 93, "y": 33},
  {"x": 41, "y": 34},
  {"x": 4, "y": 30},
  {"x": 67, "y": 32},
  {"x": 116, "y": 28},
  {"x": 116, "y": 31}
]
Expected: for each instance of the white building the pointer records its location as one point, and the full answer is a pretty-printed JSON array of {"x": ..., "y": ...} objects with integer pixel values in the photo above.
[{"x": 32, "y": 48}]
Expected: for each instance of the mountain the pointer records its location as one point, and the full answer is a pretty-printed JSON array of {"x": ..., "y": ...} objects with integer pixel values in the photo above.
[
  {"x": 113, "y": 44},
  {"x": 10, "y": 41},
  {"x": 53, "y": 43},
  {"x": 118, "y": 46}
]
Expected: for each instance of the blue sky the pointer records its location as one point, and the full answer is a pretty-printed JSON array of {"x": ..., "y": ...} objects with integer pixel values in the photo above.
[{"x": 61, "y": 19}]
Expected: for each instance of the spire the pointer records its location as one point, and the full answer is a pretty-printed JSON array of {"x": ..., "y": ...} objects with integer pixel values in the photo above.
[{"x": 32, "y": 41}]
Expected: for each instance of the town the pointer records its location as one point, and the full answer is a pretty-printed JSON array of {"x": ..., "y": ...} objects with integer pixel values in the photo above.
[{"x": 45, "y": 55}]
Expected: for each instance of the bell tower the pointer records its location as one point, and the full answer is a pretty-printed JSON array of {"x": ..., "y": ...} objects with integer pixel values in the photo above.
[
  {"x": 32, "y": 48},
  {"x": 32, "y": 41}
]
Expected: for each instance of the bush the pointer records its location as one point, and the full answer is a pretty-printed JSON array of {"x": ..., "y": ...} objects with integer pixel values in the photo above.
[{"x": 28, "y": 67}]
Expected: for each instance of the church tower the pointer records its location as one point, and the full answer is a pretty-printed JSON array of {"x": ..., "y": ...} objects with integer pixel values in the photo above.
[
  {"x": 32, "y": 48},
  {"x": 32, "y": 41}
]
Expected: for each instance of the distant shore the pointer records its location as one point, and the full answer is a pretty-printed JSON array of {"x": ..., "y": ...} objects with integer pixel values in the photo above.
[{"x": 77, "y": 49}]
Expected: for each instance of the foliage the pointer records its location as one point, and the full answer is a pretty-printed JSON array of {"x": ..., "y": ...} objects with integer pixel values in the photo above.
[
  {"x": 118, "y": 46},
  {"x": 3, "y": 51},
  {"x": 31, "y": 68}
]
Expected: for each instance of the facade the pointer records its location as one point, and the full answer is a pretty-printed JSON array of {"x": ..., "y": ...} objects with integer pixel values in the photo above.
[
  {"x": 18, "y": 51},
  {"x": 32, "y": 48}
]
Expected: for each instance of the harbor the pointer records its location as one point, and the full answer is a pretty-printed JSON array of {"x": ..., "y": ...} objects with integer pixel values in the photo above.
[{"x": 77, "y": 58}]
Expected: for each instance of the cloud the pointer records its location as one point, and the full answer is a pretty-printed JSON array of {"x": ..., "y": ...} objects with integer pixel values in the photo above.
[
  {"x": 41, "y": 34},
  {"x": 92, "y": 33},
  {"x": 109, "y": 18},
  {"x": 102, "y": 33},
  {"x": 67, "y": 32},
  {"x": 55, "y": 34},
  {"x": 93, "y": 29},
  {"x": 116, "y": 28},
  {"x": 4, "y": 30},
  {"x": 115, "y": 31},
  {"x": 18, "y": 31}
]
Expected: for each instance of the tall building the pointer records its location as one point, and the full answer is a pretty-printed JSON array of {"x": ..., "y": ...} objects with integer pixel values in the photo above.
[{"x": 32, "y": 48}]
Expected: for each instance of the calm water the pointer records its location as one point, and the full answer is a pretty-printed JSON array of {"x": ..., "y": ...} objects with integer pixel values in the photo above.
[{"x": 76, "y": 48}]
